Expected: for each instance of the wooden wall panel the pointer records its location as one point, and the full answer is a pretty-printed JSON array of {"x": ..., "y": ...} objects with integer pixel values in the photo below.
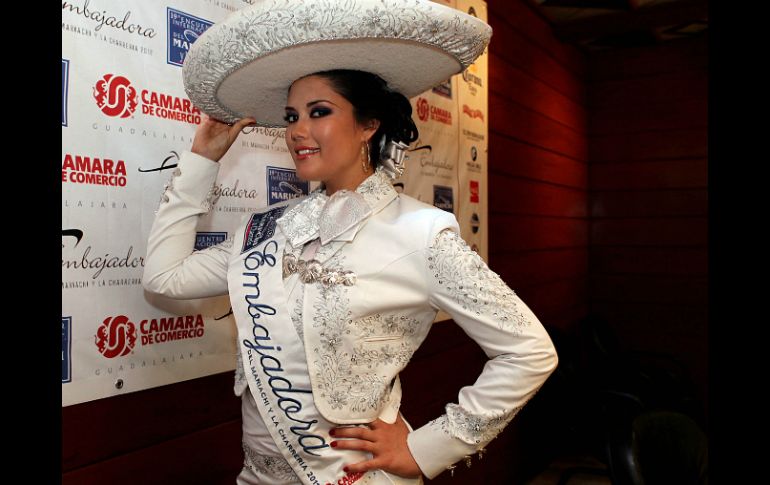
[
  {"x": 648, "y": 125},
  {"x": 515, "y": 158}
]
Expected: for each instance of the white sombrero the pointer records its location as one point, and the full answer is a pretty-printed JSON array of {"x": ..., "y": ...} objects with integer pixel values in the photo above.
[{"x": 243, "y": 66}]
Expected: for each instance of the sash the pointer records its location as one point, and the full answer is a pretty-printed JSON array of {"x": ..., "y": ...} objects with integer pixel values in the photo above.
[{"x": 274, "y": 359}]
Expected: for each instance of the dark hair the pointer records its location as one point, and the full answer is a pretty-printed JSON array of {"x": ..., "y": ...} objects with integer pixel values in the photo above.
[{"x": 373, "y": 99}]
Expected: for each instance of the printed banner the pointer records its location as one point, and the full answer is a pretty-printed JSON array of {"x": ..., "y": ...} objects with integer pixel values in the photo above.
[
  {"x": 472, "y": 139},
  {"x": 125, "y": 121}
]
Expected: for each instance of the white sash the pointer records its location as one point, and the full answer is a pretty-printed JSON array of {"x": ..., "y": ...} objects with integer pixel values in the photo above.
[{"x": 269, "y": 346}]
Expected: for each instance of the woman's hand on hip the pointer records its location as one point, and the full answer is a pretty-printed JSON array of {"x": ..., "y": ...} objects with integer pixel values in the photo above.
[
  {"x": 387, "y": 442},
  {"x": 213, "y": 138}
]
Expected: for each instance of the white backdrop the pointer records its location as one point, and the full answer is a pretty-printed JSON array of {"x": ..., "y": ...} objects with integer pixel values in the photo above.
[{"x": 126, "y": 119}]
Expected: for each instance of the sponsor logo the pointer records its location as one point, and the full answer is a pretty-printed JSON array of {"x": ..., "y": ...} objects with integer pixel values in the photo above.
[
  {"x": 472, "y": 81},
  {"x": 423, "y": 109},
  {"x": 426, "y": 111},
  {"x": 102, "y": 18},
  {"x": 204, "y": 240},
  {"x": 81, "y": 169},
  {"x": 116, "y": 97},
  {"x": 164, "y": 165},
  {"x": 473, "y": 135},
  {"x": 475, "y": 224},
  {"x": 169, "y": 329},
  {"x": 66, "y": 349},
  {"x": 170, "y": 107},
  {"x": 428, "y": 160},
  {"x": 260, "y": 228},
  {"x": 97, "y": 264},
  {"x": 222, "y": 190},
  {"x": 471, "y": 78},
  {"x": 283, "y": 184},
  {"x": 473, "y": 165},
  {"x": 442, "y": 198},
  {"x": 76, "y": 233},
  {"x": 473, "y": 113},
  {"x": 65, "y": 69},
  {"x": 116, "y": 337},
  {"x": 444, "y": 89},
  {"x": 183, "y": 30},
  {"x": 474, "y": 185}
]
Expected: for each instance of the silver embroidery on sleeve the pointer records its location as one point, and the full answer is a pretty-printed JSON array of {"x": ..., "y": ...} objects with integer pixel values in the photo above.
[
  {"x": 211, "y": 198},
  {"x": 169, "y": 185},
  {"x": 272, "y": 467},
  {"x": 471, "y": 428},
  {"x": 467, "y": 278}
]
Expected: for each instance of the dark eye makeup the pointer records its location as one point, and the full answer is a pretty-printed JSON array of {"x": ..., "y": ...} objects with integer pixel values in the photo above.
[{"x": 291, "y": 117}]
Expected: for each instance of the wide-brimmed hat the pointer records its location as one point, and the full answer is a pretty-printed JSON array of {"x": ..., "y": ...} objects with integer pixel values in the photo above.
[{"x": 244, "y": 65}]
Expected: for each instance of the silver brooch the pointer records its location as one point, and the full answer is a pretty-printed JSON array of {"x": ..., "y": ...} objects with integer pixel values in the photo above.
[{"x": 313, "y": 271}]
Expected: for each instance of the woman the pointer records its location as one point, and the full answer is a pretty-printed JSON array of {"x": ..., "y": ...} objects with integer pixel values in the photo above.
[{"x": 333, "y": 293}]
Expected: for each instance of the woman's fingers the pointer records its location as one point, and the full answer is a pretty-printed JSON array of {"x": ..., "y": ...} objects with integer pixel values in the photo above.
[
  {"x": 353, "y": 445},
  {"x": 355, "y": 432},
  {"x": 365, "y": 466}
]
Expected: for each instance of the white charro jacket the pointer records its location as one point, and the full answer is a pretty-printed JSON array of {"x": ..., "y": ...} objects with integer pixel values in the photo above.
[{"x": 408, "y": 261}]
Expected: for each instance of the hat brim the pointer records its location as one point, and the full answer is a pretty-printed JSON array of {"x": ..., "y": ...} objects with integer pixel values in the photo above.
[
  {"x": 259, "y": 89},
  {"x": 244, "y": 65}
]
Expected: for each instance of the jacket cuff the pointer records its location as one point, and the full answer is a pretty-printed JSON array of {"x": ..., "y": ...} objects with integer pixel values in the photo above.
[
  {"x": 435, "y": 450},
  {"x": 193, "y": 180}
]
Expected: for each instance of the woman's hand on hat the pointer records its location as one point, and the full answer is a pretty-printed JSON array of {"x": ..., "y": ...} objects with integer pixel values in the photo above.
[
  {"x": 387, "y": 442},
  {"x": 213, "y": 138}
]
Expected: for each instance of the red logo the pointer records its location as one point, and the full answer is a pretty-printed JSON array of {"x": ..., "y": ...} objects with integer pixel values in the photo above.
[
  {"x": 82, "y": 169},
  {"x": 423, "y": 109},
  {"x": 473, "y": 113},
  {"x": 474, "y": 190},
  {"x": 115, "y": 96},
  {"x": 116, "y": 337}
]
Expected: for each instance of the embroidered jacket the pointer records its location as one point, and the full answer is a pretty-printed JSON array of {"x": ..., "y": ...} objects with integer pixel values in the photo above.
[{"x": 383, "y": 270}]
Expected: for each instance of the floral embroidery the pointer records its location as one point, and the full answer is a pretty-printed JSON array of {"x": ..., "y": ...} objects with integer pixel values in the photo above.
[
  {"x": 468, "y": 279},
  {"x": 336, "y": 381},
  {"x": 472, "y": 428},
  {"x": 275, "y": 467},
  {"x": 300, "y": 224},
  {"x": 223, "y": 51},
  {"x": 296, "y": 314},
  {"x": 240, "y": 375},
  {"x": 381, "y": 330}
]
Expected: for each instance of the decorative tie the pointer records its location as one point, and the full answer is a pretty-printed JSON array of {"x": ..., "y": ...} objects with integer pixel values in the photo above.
[{"x": 343, "y": 211}]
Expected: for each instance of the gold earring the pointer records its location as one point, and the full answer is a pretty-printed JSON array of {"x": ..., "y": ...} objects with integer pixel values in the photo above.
[{"x": 365, "y": 163}]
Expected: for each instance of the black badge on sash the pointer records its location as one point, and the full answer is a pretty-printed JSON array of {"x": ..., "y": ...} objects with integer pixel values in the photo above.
[{"x": 260, "y": 228}]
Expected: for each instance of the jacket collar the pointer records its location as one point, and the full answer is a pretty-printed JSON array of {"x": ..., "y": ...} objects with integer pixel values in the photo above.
[{"x": 339, "y": 217}]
